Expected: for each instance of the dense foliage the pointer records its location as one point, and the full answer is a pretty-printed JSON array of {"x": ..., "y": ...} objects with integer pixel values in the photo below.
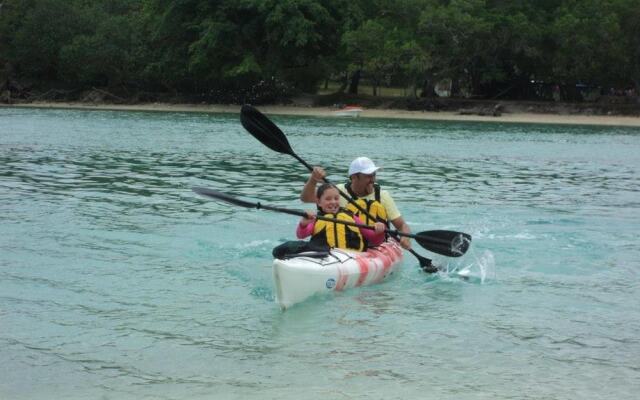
[{"x": 231, "y": 50}]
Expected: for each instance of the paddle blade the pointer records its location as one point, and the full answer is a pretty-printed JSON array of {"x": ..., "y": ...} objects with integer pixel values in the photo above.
[
  {"x": 425, "y": 263},
  {"x": 261, "y": 127},
  {"x": 447, "y": 243},
  {"x": 214, "y": 194}
]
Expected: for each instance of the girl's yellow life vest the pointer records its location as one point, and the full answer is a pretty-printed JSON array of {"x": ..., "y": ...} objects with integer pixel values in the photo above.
[{"x": 338, "y": 235}]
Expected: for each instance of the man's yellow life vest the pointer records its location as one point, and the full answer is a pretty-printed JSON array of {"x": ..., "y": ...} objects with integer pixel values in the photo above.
[{"x": 373, "y": 207}]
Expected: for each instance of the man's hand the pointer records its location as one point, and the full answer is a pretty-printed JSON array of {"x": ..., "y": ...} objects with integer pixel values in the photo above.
[{"x": 318, "y": 174}]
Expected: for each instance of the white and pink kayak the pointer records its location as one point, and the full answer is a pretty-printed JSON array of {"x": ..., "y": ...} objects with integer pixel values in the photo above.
[
  {"x": 348, "y": 111},
  {"x": 301, "y": 277}
]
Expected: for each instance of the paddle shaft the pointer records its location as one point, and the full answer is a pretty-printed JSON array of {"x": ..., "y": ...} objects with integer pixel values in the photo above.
[
  {"x": 425, "y": 262},
  {"x": 449, "y": 243},
  {"x": 319, "y": 217},
  {"x": 268, "y": 133},
  {"x": 299, "y": 213}
]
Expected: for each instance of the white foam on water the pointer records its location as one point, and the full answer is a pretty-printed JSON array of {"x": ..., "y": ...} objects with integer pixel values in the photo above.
[
  {"x": 255, "y": 243},
  {"x": 472, "y": 268},
  {"x": 481, "y": 270}
]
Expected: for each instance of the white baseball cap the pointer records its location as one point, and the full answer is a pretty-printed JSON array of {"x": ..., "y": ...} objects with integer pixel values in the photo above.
[{"x": 362, "y": 165}]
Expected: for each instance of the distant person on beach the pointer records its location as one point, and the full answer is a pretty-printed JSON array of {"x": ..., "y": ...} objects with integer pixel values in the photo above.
[
  {"x": 556, "y": 93},
  {"x": 362, "y": 187}
]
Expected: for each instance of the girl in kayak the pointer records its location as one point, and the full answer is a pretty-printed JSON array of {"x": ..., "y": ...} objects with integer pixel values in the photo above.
[{"x": 335, "y": 234}]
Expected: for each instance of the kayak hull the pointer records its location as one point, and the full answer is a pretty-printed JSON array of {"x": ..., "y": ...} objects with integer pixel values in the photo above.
[
  {"x": 348, "y": 111},
  {"x": 296, "y": 279}
]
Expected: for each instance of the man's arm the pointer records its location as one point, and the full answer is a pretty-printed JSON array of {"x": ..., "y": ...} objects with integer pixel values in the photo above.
[
  {"x": 403, "y": 227},
  {"x": 396, "y": 218},
  {"x": 308, "y": 194}
]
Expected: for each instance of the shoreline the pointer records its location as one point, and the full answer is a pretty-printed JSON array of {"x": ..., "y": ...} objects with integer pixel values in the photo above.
[{"x": 507, "y": 117}]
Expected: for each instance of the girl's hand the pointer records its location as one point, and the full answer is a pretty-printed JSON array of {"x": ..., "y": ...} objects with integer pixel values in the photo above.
[
  {"x": 380, "y": 227},
  {"x": 311, "y": 216}
]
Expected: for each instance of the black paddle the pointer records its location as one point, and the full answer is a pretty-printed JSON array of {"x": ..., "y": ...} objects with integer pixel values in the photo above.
[
  {"x": 261, "y": 127},
  {"x": 447, "y": 243}
]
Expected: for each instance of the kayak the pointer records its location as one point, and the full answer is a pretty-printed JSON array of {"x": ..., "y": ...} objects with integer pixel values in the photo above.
[
  {"x": 348, "y": 111},
  {"x": 300, "y": 277}
]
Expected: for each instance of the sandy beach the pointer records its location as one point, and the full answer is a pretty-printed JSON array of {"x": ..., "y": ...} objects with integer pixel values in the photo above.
[{"x": 537, "y": 118}]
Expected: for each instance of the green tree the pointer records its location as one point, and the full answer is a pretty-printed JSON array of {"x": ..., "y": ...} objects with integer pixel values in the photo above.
[
  {"x": 231, "y": 47},
  {"x": 34, "y": 32},
  {"x": 301, "y": 36},
  {"x": 589, "y": 46},
  {"x": 628, "y": 69},
  {"x": 382, "y": 45},
  {"x": 172, "y": 27},
  {"x": 456, "y": 35},
  {"x": 513, "y": 53},
  {"x": 234, "y": 43},
  {"x": 365, "y": 47},
  {"x": 113, "y": 53}
]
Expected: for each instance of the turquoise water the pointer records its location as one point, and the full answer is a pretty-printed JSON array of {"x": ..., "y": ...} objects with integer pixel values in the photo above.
[{"x": 117, "y": 282}]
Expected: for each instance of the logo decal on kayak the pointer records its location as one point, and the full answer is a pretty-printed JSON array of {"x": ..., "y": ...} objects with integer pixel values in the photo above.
[{"x": 331, "y": 283}]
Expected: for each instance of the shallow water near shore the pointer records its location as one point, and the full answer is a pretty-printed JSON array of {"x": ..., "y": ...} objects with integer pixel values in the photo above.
[{"x": 118, "y": 282}]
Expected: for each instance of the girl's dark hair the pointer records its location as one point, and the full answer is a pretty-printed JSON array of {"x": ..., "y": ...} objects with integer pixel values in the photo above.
[{"x": 323, "y": 188}]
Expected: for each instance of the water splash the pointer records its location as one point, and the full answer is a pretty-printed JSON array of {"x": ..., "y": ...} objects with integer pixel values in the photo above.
[
  {"x": 483, "y": 268},
  {"x": 473, "y": 269},
  {"x": 263, "y": 293}
]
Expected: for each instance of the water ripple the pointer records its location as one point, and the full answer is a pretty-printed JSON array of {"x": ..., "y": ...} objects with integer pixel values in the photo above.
[{"x": 116, "y": 280}]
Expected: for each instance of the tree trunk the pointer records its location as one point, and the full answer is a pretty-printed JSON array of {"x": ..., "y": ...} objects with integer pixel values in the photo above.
[
  {"x": 413, "y": 91},
  {"x": 455, "y": 88},
  {"x": 344, "y": 83},
  {"x": 355, "y": 81},
  {"x": 428, "y": 89}
]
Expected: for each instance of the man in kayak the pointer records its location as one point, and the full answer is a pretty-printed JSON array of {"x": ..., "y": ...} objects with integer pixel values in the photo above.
[{"x": 362, "y": 188}]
